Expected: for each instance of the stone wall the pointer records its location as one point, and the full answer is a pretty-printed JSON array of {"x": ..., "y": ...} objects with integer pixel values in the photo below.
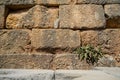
[{"x": 43, "y": 33}]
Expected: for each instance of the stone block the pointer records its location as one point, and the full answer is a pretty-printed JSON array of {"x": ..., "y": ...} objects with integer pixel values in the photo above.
[
  {"x": 91, "y": 1},
  {"x": 83, "y": 75},
  {"x": 53, "y": 2},
  {"x": 36, "y": 17},
  {"x": 14, "y": 41},
  {"x": 20, "y": 74},
  {"x": 25, "y": 61},
  {"x": 85, "y": 16},
  {"x": 113, "y": 15},
  {"x": 55, "y": 38},
  {"x": 2, "y": 16},
  {"x": 107, "y": 39},
  {"x": 69, "y": 61}
]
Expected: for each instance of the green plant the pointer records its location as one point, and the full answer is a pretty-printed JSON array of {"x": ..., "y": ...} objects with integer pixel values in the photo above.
[{"x": 90, "y": 54}]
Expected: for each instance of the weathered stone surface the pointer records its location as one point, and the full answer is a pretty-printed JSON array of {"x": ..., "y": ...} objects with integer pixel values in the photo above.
[
  {"x": 82, "y": 16},
  {"x": 113, "y": 1},
  {"x": 17, "y": 2},
  {"x": 25, "y": 61},
  {"x": 20, "y": 74},
  {"x": 113, "y": 13},
  {"x": 91, "y": 1},
  {"x": 36, "y": 17},
  {"x": 53, "y": 2},
  {"x": 117, "y": 58},
  {"x": 69, "y": 61},
  {"x": 107, "y": 61},
  {"x": 83, "y": 75},
  {"x": 2, "y": 16},
  {"x": 108, "y": 39},
  {"x": 13, "y": 41},
  {"x": 55, "y": 38},
  {"x": 112, "y": 10}
]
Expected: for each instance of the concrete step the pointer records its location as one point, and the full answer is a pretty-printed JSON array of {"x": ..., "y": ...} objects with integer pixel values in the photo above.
[
  {"x": 35, "y": 74},
  {"x": 21, "y": 74}
]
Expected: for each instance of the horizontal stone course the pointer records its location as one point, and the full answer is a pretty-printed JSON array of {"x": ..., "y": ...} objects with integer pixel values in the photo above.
[
  {"x": 87, "y": 16},
  {"x": 26, "y": 61},
  {"x": 17, "y": 2},
  {"x": 53, "y": 2}
]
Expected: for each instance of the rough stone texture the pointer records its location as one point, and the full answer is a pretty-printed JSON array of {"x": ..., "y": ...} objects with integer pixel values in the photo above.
[
  {"x": 2, "y": 16},
  {"x": 107, "y": 61},
  {"x": 36, "y": 17},
  {"x": 113, "y": 13},
  {"x": 112, "y": 10},
  {"x": 16, "y": 2},
  {"x": 108, "y": 40},
  {"x": 26, "y": 61},
  {"x": 91, "y": 1},
  {"x": 55, "y": 38},
  {"x": 13, "y": 41},
  {"x": 53, "y": 2},
  {"x": 117, "y": 58},
  {"x": 69, "y": 61},
  {"x": 112, "y": 1},
  {"x": 98, "y": 1},
  {"x": 18, "y": 74},
  {"x": 82, "y": 16},
  {"x": 83, "y": 75}
]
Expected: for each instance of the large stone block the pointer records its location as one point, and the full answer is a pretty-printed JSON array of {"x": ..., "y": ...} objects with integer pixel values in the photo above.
[
  {"x": 2, "y": 16},
  {"x": 69, "y": 61},
  {"x": 13, "y": 41},
  {"x": 36, "y": 17},
  {"x": 20, "y": 74},
  {"x": 55, "y": 38},
  {"x": 53, "y": 2},
  {"x": 82, "y": 16},
  {"x": 108, "y": 40},
  {"x": 26, "y": 61},
  {"x": 113, "y": 14},
  {"x": 83, "y": 75}
]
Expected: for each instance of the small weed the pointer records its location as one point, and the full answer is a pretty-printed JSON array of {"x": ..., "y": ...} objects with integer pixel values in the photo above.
[{"x": 90, "y": 54}]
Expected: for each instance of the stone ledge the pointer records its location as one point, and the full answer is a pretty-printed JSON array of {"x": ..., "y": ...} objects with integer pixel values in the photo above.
[
  {"x": 19, "y": 74},
  {"x": 37, "y": 74},
  {"x": 83, "y": 75}
]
